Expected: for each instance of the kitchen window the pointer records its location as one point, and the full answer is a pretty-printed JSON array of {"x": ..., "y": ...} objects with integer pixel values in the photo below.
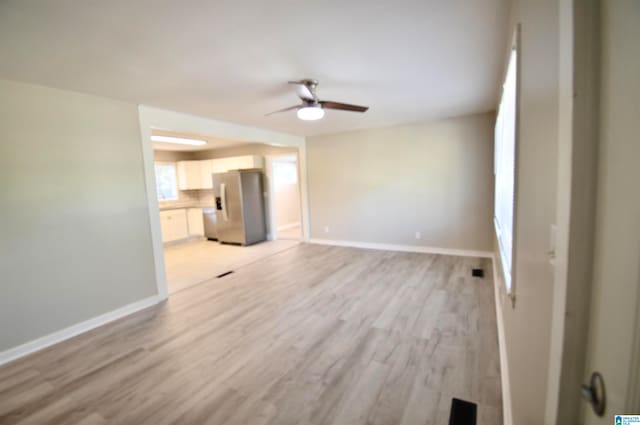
[
  {"x": 166, "y": 181},
  {"x": 505, "y": 169}
]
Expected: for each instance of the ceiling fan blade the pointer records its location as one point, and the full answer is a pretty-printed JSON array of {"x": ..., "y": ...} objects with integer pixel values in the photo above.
[
  {"x": 327, "y": 104},
  {"x": 290, "y": 108},
  {"x": 304, "y": 90}
]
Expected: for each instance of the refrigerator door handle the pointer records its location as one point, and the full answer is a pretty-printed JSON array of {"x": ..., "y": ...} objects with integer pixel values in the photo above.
[{"x": 223, "y": 196}]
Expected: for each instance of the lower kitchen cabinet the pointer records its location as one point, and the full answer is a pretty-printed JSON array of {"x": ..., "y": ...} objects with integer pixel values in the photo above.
[
  {"x": 195, "y": 221},
  {"x": 173, "y": 224}
]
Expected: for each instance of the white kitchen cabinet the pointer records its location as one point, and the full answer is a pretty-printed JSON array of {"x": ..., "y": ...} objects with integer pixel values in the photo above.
[
  {"x": 222, "y": 165},
  {"x": 195, "y": 222},
  {"x": 189, "y": 175},
  {"x": 219, "y": 165},
  {"x": 206, "y": 169},
  {"x": 243, "y": 162},
  {"x": 173, "y": 224},
  {"x": 197, "y": 174}
]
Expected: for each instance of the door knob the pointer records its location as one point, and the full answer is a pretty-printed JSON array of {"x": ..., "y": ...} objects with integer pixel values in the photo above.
[{"x": 595, "y": 394}]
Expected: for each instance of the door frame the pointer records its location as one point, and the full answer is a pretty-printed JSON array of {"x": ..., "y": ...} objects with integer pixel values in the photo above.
[
  {"x": 271, "y": 193},
  {"x": 578, "y": 142},
  {"x": 575, "y": 212},
  {"x": 155, "y": 118},
  {"x": 633, "y": 394}
]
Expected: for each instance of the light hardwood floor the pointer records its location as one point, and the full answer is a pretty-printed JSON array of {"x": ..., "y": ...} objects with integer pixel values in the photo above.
[
  {"x": 190, "y": 263},
  {"x": 312, "y": 335}
]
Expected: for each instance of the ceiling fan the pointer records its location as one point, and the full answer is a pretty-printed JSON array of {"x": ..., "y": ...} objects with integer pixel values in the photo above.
[{"x": 313, "y": 108}]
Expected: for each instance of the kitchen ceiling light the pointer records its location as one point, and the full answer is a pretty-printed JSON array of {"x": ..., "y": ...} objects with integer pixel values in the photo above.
[
  {"x": 310, "y": 113},
  {"x": 178, "y": 140}
]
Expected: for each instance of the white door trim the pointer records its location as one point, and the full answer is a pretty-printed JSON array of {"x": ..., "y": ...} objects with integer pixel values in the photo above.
[
  {"x": 507, "y": 415},
  {"x": 576, "y": 206}
]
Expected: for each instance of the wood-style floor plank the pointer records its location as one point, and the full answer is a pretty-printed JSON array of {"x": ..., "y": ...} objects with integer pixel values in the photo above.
[{"x": 313, "y": 335}]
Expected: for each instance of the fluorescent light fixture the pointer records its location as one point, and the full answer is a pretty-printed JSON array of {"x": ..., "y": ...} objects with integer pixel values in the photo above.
[
  {"x": 310, "y": 113},
  {"x": 178, "y": 140}
]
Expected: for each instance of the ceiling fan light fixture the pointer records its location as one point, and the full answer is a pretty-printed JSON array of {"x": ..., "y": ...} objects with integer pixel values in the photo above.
[
  {"x": 310, "y": 113},
  {"x": 313, "y": 108}
]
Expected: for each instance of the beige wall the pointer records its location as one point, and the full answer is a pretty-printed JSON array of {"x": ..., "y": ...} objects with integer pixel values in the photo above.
[
  {"x": 383, "y": 185},
  {"x": 74, "y": 229},
  {"x": 527, "y": 324},
  {"x": 173, "y": 156}
]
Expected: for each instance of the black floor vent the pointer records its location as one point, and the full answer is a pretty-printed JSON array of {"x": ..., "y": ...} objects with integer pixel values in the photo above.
[
  {"x": 224, "y": 274},
  {"x": 477, "y": 272},
  {"x": 463, "y": 412}
]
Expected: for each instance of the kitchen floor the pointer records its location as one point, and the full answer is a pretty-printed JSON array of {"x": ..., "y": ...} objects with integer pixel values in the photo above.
[
  {"x": 193, "y": 262},
  {"x": 290, "y": 233}
]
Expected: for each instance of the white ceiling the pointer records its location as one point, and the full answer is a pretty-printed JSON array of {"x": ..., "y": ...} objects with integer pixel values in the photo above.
[{"x": 409, "y": 60}]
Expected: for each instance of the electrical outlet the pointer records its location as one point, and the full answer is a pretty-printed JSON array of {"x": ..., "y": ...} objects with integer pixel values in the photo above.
[
  {"x": 326, "y": 229},
  {"x": 418, "y": 235}
]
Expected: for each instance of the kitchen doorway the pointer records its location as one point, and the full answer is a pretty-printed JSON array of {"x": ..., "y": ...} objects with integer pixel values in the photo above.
[
  {"x": 211, "y": 226},
  {"x": 153, "y": 119},
  {"x": 284, "y": 193}
]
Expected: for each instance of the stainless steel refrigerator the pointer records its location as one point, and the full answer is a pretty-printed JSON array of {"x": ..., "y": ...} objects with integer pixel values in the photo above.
[{"x": 239, "y": 207}]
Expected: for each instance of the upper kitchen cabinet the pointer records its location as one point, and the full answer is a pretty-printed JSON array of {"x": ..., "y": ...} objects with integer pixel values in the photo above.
[
  {"x": 197, "y": 174},
  {"x": 242, "y": 162},
  {"x": 189, "y": 175},
  {"x": 206, "y": 169},
  {"x": 219, "y": 165},
  {"x": 246, "y": 162}
]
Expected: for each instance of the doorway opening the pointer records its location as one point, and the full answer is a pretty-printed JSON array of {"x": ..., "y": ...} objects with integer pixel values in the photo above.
[
  {"x": 285, "y": 197},
  {"x": 213, "y": 198}
]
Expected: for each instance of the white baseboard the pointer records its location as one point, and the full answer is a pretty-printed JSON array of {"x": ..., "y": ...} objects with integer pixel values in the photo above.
[
  {"x": 64, "y": 334},
  {"x": 288, "y": 226},
  {"x": 507, "y": 414},
  {"x": 405, "y": 248}
]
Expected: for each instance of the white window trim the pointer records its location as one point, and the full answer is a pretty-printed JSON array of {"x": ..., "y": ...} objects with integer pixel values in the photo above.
[{"x": 510, "y": 272}]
